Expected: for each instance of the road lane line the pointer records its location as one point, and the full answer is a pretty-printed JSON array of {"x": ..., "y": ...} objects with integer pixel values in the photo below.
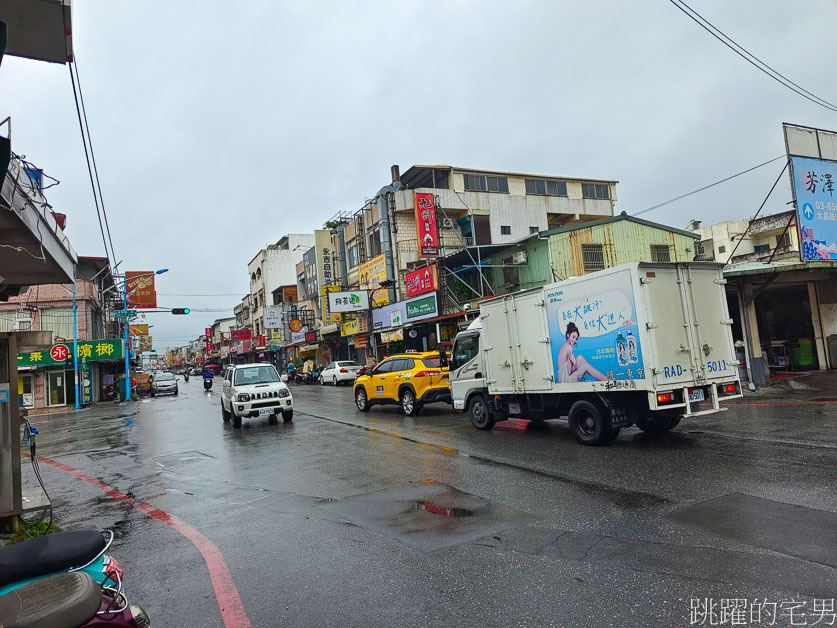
[{"x": 229, "y": 602}]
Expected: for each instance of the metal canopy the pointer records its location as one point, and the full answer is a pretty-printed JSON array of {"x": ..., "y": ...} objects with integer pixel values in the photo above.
[{"x": 38, "y": 29}]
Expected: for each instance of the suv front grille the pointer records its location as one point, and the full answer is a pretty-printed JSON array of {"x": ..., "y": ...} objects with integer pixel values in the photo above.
[{"x": 263, "y": 404}]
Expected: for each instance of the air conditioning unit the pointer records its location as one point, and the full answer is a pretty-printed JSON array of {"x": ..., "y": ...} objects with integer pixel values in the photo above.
[
  {"x": 521, "y": 257},
  {"x": 447, "y": 223}
]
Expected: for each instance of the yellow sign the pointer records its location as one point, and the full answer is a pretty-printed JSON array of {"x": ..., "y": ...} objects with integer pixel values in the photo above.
[
  {"x": 370, "y": 275},
  {"x": 328, "y": 315},
  {"x": 349, "y": 328},
  {"x": 139, "y": 330},
  {"x": 276, "y": 334}
]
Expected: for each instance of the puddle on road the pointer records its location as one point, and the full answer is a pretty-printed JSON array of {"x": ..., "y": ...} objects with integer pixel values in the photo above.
[
  {"x": 182, "y": 457},
  {"x": 429, "y": 515}
]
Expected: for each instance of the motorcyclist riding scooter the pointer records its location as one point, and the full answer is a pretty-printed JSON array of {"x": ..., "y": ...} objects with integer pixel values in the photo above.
[{"x": 207, "y": 379}]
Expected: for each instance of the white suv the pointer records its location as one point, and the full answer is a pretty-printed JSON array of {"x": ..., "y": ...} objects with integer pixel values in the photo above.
[{"x": 252, "y": 390}]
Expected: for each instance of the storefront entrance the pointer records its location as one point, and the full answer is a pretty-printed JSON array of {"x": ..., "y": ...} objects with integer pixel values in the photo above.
[
  {"x": 785, "y": 327},
  {"x": 61, "y": 388}
]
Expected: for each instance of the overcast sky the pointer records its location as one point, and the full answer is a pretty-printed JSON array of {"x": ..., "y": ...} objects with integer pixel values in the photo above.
[{"x": 219, "y": 127}]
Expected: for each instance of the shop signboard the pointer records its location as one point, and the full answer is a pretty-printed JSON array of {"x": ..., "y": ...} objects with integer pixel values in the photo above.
[
  {"x": 371, "y": 274},
  {"x": 140, "y": 288},
  {"x": 208, "y": 333},
  {"x": 325, "y": 258},
  {"x": 260, "y": 341},
  {"x": 360, "y": 341},
  {"x": 421, "y": 280},
  {"x": 348, "y": 301},
  {"x": 309, "y": 264},
  {"x": 426, "y": 228},
  {"x": 241, "y": 334},
  {"x": 272, "y": 317},
  {"x": 246, "y": 346},
  {"x": 139, "y": 330},
  {"x": 814, "y": 187},
  {"x": 124, "y": 313},
  {"x": 58, "y": 354},
  {"x": 354, "y": 326},
  {"x": 275, "y": 346},
  {"x": 392, "y": 336},
  {"x": 423, "y": 307},
  {"x": 298, "y": 336},
  {"x": 330, "y": 315},
  {"x": 144, "y": 343},
  {"x": 295, "y": 326},
  {"x": 447, "y": 332},
  {"x": 275, "y": 335},
  {"x": 208, "y": 347},
  {"x": 310, "y": 336},
  {"x": 86, "y": 384}
]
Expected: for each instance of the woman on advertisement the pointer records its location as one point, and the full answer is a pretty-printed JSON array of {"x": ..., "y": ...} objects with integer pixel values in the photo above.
[{"x": 571, "y": 368}]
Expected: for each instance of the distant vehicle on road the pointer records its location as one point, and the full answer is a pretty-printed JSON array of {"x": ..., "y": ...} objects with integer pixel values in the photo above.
[
  {"x": 252, "y": 390},
  {"x": 408, "y": 379},
  {"x": 338, "y": 372},
  {"x": 164, "y": 384}
]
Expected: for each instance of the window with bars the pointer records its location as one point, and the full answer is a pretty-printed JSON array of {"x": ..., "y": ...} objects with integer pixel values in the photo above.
[
  {"x": 505, "y": 229},
  {"x": 59, "y": 321},
  {"x": 546, "y": 188},
  {"x": 483, "y": 183},
  {"x": 660, "y": 253},
  {"x": 592, "y": 256},
  {"x": 595, "y": 190}
]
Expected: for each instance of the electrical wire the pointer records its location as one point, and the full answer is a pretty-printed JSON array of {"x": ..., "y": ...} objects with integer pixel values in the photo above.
[
  {"x": 29, "y": 434},
  {"x": 763, "y": 203},
  {"x": 706, "y": 187},
  {"x": 749, "y": 57},
  {"x": 93, "y": 155}
]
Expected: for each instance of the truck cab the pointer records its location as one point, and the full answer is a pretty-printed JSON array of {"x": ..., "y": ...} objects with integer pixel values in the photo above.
[{"x": 466, "y": 367}]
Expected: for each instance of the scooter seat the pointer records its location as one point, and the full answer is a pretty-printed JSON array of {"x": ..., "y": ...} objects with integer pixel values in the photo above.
[
  {"x": 68, "y": 599},
  {"x": 48, "y": 554}
]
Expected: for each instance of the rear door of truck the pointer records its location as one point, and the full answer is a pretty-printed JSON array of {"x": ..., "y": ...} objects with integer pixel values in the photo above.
[
  {"x": 533, "y": 355},
  {"x": 497, "y": 345}
]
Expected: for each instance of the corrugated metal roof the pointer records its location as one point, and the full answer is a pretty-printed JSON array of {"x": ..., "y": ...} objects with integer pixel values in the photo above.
[
  {"x": 622, "y": 216},
  {"x": 763, "y": 268}
]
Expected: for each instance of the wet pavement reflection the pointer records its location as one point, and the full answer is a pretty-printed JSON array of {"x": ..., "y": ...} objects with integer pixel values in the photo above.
[{"x": 430, "y": 512}]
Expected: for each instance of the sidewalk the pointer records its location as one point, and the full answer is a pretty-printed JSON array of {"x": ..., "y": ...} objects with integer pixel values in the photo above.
[{"x": 810, "y": 383}]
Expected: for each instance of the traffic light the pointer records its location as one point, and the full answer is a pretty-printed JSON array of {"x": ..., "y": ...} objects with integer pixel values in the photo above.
[{"x": 180, "y": 310}]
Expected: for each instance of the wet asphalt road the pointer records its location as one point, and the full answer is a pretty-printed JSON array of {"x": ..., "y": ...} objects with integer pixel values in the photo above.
[{"x": 351, "y": 519}]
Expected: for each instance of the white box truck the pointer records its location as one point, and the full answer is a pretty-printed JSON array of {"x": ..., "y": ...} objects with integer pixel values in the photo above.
[{"x": 642, "y": 343}]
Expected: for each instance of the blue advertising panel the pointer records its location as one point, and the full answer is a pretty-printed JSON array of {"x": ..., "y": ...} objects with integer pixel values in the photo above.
[
  {"x": 814, "y": 183},
  {"x": 594, "y": 336}
]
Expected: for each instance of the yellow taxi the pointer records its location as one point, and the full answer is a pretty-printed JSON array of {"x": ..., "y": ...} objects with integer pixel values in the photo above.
[{"x": 408, "y": 379}]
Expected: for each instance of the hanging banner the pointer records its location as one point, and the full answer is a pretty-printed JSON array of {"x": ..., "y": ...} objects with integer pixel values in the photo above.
[
  {"x": 140, "y": 287},
  {"x": 426, "y": 227},
  {"x": 348, "y": 301},
  {"x": 421, "y": 281},
  {"x": 241, "y": 334}
]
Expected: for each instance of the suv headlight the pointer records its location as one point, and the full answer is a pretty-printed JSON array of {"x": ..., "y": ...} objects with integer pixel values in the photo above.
[
  {"x": 244, "y": 397},
  {"x": 284, "y": 392}
]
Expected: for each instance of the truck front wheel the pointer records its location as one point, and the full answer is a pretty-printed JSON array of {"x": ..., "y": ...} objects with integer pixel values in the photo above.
[
  {"x": 589, "y": 423},
  {"x": 480, "y": 416}
]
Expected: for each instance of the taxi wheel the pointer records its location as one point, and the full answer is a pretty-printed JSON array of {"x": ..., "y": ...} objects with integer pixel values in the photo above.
[
  {"x": 361, "y": 401},
  {"x": 409, "y": 403}
]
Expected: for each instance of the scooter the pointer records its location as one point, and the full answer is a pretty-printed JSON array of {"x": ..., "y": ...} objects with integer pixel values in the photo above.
[
  {"x": 75, "y": 551},
  {"x": 185, "y": 377},
  {"x": 207, "y": 382},
  {"x": 69, "y": 600}
]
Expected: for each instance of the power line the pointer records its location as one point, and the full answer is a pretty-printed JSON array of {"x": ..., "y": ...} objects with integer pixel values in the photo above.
[
  {"x": 93, "y": 156},
  {"x": 749, "y": 57},
  {"x": 216, "y": 294},
  {"x": 706, "y": 187}
]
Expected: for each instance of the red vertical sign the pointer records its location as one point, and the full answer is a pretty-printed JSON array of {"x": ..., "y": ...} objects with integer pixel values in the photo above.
[{"x": 426, "y": 228}]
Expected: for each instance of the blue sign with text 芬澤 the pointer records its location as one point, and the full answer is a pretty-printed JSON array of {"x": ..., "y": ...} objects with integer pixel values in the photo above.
[{"x": 815, "y": 188}]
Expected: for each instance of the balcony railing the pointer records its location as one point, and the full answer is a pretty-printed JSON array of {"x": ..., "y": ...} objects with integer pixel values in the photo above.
[{"x": 763, "y": 256}]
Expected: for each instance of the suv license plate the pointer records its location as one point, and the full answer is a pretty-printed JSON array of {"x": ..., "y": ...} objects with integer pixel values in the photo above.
[
  {"x": 696, "y": 394},
  {"x": 271, "y": 410}
]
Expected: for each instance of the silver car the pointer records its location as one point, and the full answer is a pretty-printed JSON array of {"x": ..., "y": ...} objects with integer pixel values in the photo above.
[{"x": 164, "y": 384}]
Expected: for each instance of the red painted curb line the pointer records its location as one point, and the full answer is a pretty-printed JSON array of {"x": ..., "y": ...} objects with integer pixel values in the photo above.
[{"x": 229, "y": 602}]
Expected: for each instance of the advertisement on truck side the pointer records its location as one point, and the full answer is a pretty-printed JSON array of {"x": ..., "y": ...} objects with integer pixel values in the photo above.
[{"x": 594, "y": 336}]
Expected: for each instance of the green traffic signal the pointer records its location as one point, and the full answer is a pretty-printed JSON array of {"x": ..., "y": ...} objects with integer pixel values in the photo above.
[{"x": 180, "y": 310}]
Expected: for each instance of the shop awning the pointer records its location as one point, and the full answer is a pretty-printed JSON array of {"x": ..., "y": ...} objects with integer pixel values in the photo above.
[{"x": 308, "y": 347}]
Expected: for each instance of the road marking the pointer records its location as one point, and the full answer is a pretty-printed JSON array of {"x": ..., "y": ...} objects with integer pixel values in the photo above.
[
  {"x": 229, "y": 602},
  {"x": 784, "y": 403}
]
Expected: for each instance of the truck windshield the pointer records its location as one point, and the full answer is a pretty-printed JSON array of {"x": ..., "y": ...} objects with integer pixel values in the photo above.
[{"x": 465, "y": 350}]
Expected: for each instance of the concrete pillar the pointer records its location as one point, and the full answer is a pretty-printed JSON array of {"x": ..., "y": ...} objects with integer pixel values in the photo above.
[
  {"x": 750, "y": 326},
  {"x": 815, "y": 321}
]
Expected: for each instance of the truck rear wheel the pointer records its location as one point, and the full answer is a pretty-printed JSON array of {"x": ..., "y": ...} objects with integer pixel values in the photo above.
[
  {"x": 589, "y": 423},
  {"x": 658, "y": 424},
  {"x": 480, "y": 416}
]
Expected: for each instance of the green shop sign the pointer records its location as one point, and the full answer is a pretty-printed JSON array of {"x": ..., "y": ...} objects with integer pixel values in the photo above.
[
  {"x": 89, "y": 350},
  {"x": 421, "y": 307}
]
